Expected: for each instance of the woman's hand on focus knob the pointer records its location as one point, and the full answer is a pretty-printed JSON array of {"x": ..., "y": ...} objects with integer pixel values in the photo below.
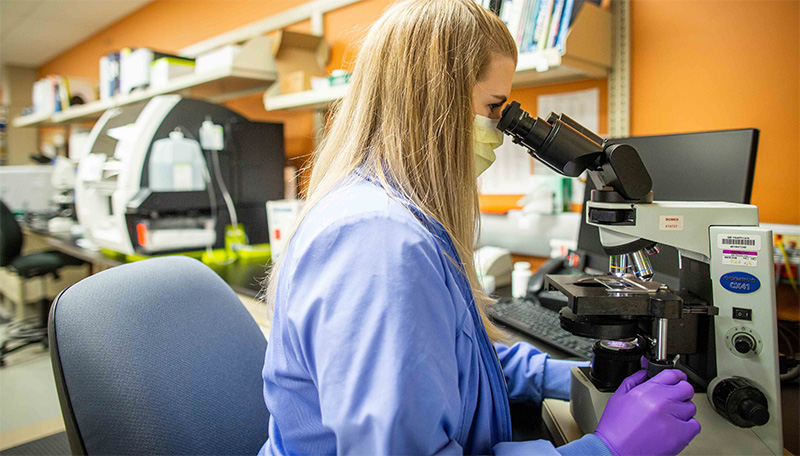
[{"x": 650, "y": 417}]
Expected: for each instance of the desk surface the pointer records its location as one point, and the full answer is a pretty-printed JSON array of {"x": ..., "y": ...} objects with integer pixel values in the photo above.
[{"x": 244, "y": 277}]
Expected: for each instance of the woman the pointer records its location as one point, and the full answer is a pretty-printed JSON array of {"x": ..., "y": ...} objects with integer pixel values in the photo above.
[{"x": 379, "y": 341}]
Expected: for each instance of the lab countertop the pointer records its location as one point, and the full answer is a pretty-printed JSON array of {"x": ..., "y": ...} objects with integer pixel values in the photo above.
[{"x": 244, "y": 277}]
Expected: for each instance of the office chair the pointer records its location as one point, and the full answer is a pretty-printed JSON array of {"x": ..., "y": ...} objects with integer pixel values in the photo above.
[
  {"x": 40, "y": 264},
  {"x": 158, "y": 357}
]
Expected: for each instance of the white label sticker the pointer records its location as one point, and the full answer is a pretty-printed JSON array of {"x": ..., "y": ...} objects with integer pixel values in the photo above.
[
  {"x": 740, "y": 258},
  {"x": 182, "y": 177},
  {"x": 739, "y": 242},
  {"x": 670, "y": 223}
]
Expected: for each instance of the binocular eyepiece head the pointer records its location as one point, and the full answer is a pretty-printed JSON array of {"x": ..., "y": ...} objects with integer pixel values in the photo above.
[
  {"x": 569, "y": 148},
  {"x": 559, "y": 142}
]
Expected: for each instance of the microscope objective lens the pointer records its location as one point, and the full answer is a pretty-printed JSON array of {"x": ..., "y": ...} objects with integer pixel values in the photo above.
[
  {"x": 653, "y": 249},
  {"x": 642, "y": 268},
  {"x": 618, "y": 265}
]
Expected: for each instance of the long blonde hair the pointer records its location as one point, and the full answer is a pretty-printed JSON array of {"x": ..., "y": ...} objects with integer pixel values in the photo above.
[{"x": 407, "y": 118}]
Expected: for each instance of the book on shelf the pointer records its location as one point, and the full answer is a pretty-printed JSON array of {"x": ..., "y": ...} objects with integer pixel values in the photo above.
[
  {"x": 543, "y": 23},
  {"x": 555, "y": 22},
  {"x": 109, "y": 75},
  {"x": 566, "y": 20},
  {"x": 537, "y": 24},
  {"x": 527, "y": 39}
]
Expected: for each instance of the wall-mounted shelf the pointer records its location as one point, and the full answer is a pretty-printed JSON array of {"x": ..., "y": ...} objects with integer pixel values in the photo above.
[
  {"x": 587, "y": 56},
  {"x": 217, "y": 86},
  {"x": 309, "y": 99},
  {"x": 31, "y": 120}
]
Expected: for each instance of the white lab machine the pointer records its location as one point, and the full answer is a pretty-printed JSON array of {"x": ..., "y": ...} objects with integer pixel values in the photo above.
[
  {"x": 27, "y": 189},
  {"x": 495, "y": 262},
  {"x": 147, "y": 186}
]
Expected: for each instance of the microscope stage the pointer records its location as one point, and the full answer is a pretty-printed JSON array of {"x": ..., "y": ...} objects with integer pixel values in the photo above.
[{"x": 607, "y": 294}]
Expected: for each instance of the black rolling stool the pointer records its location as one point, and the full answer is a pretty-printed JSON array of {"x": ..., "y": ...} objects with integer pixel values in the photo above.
[{"x": 41, "y": 264}]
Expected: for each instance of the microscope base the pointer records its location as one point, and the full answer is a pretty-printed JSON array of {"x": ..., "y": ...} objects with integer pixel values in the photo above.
[{"x": 718, "y": 436}]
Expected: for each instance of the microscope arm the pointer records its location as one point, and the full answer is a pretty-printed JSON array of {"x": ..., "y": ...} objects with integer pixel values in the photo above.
[{"x": 683, "y": 225}]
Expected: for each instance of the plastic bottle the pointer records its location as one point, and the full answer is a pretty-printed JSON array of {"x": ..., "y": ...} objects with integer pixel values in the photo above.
[
  {"x": 176, "y": 165},
  {"x": 519, "y": 279}
]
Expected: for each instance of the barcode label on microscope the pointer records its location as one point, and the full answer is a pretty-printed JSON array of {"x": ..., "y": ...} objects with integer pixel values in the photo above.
[
  {"x": 739, "y": 241},
  {"x": 752, "y": 242}
]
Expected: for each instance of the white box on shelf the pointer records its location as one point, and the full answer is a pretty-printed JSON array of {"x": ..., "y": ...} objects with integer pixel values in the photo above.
[
  {"x": 166, "y": 69},
  {"x": 253, "y": 55},
  {"x": 44, "y": 96},
  {"x": 319, "y": 83},
  {"x": 218, "y": 58},
  {"x": 135, "y": 69}
]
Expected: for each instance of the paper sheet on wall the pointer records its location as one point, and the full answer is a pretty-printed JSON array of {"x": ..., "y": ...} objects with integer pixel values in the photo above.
[
  {"x": 583, "y": 106},
  {"x": 511, "y": 172}
]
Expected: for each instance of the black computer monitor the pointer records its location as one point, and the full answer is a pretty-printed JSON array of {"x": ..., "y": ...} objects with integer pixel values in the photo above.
[{"x": 707, "y": 166}]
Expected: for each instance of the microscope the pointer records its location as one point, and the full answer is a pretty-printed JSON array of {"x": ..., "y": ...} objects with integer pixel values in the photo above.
[{"x": 719, "y": 326}]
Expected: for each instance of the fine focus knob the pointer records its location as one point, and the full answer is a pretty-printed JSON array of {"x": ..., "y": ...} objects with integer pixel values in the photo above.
[
  {"x": 743, "y": 343},
  {"x": 754, "y": 412},
  {"x": 739, "y": 401}
]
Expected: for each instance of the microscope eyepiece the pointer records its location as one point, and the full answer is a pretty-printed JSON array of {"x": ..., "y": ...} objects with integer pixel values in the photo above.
[
  {"x": 559, "y": 142},
  {"x": 517, "y": 123}
]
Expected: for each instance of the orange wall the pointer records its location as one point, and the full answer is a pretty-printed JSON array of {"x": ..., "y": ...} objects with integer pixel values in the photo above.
[
  {"x": 696, "y": 65},
  {"x": 705, "y": 65},
  {"x": 172, "y": 25}
]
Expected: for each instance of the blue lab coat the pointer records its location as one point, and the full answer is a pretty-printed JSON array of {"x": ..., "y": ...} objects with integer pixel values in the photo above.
[{"x": 377, "y": 347}]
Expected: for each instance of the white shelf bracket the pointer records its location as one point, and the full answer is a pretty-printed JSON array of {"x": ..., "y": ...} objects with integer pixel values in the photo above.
[{"x": 317, "y": 23}]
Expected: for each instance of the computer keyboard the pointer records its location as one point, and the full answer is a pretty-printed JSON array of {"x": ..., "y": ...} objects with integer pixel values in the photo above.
[{"x": 534, "y": 320}]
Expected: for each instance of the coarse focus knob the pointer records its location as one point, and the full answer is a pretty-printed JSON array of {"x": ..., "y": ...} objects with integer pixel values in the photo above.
[
  {"x": 739, "y": 401},
  {"x": 744, "y": 343}
]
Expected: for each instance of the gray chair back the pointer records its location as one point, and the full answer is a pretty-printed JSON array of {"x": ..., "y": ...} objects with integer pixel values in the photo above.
[{"x": 158, "y": 357}]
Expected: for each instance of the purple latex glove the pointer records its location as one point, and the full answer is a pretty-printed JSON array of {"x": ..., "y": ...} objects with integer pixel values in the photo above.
[{"x": 653, "y": 417}]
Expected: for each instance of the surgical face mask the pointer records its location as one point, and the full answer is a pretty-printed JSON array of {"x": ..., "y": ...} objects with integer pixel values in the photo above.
[{"x": 485, "y": 139}]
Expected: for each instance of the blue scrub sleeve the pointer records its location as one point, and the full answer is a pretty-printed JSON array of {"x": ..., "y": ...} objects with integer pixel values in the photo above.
[
  {"x": 375, "y": 322},
  {"x": 589, "y": 444},
  {"x": 532, "y": 375}
]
